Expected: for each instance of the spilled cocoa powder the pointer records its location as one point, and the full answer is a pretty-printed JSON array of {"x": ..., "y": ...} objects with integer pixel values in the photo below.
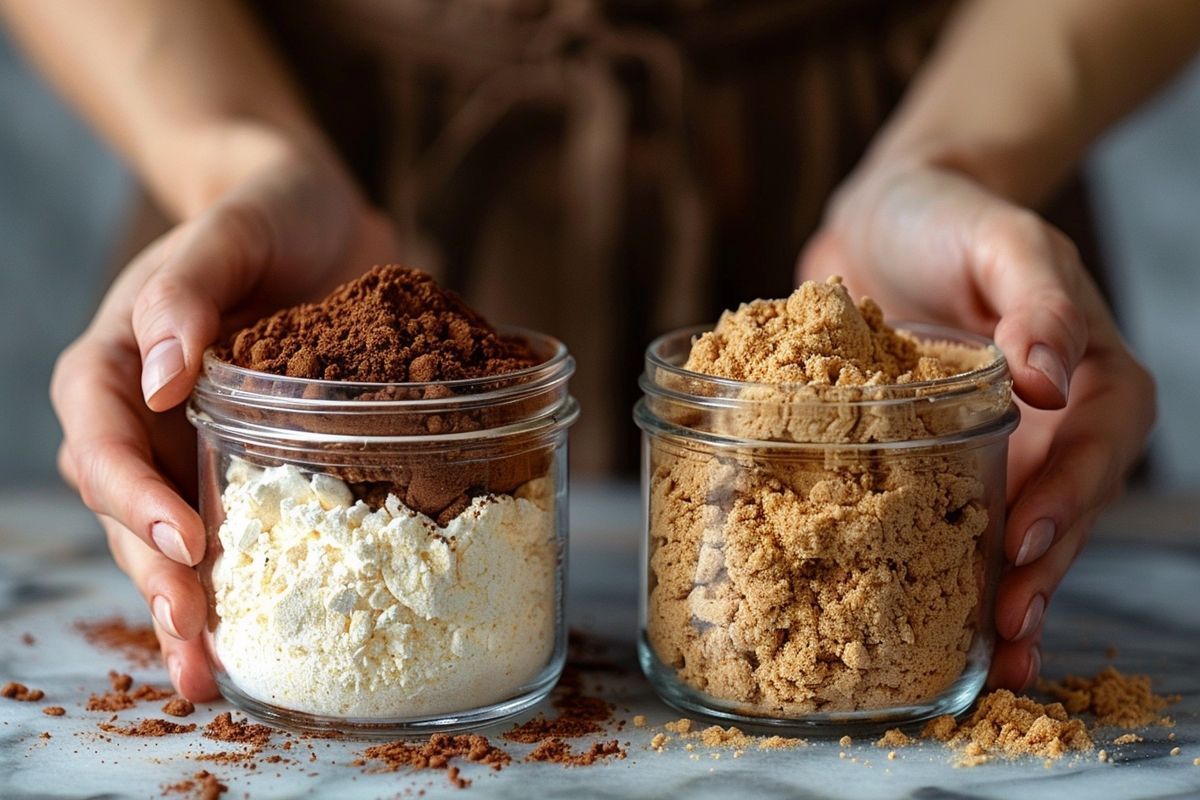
[
  {"x": 147, "y": 727},
  {"x": 559, "y": 752},
  {"x": 178, "y": 707},
  {"x": 397, "y": 326},
  {"x": 20, "y": 692},
  {"x": 224, "y": 728},
  {"x": 436, "y": 754},
  {"x": 121, "y": 698},
  {"x": 579, "y": 714},
  {"x": 203, "y": 785},
  {"x": 136, "y": 642}
]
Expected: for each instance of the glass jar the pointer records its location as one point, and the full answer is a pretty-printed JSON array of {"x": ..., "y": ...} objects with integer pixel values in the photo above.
[
  {"x": 385, "y": 558},
  {"x": 822, "y": 558}
]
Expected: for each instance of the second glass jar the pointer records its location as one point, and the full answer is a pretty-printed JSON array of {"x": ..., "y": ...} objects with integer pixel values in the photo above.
[{"x": 822, "y": 558}]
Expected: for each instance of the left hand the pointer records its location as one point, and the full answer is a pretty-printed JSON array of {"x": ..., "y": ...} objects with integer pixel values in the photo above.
[{"x": 932, "y": 244}]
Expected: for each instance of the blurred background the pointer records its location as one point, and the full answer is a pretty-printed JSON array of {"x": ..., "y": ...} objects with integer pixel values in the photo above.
[{"x": 67, "y": 210}]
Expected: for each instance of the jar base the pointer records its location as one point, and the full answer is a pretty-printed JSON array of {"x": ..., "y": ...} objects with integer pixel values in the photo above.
[
  {"x": 956, "y": 699},
  {"x": 528, "y": 696}
]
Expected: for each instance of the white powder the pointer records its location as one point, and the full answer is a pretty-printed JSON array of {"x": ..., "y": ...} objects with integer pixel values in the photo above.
[{"x": 330, "y": 608}]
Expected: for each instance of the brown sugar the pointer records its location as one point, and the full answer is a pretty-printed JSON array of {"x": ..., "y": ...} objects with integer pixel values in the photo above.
[
  {"x": 137, "y": 642},
  {"x": 178, "y": 707},
  {"x": 894, "y": 737},
  {"x": 559, "y": 752},
  {"x": 148, "y": 727},
  {"x": 1116, "y": 700},
  {"x": 824, "y": 582},
  {"x": 396, "y": 326},
  {"x": 1009, "y": 726},
  {"x": 436, "y": 754},
  {"x": 19, "y": 691}
]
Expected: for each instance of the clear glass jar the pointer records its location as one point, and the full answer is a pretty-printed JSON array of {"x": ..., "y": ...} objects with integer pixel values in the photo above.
[
  {"x": 822, "y": 558},
  {"x": 385, "y": 558}
]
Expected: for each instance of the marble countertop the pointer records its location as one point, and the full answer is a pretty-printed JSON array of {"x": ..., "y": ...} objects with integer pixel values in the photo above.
[{"x": 1136, "y": 589}]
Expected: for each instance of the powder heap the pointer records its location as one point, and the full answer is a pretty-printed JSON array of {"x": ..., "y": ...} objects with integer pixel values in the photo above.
[
  {"x": 1116, "y": 700},
  {"x": 714, "y": 737},
  {"x": 392, "y": 325},
  {"x": 148, "y": 727},
  {"x": 137, "y": 642},
  {"x": 556, "y": 751},
  {"x": 578, "y": 713},
  {"x": 832, "y": 581},
  {"x": 224, "y": 728},
  {"x": 437, "y": 753},
  {"x": 203, "y": 786},
  {"x": 19, "y": 691},
  {"x": 121, "y": 698},
  {"x": 815, "y": 336},
  {"x": 1009, "y": 726}
]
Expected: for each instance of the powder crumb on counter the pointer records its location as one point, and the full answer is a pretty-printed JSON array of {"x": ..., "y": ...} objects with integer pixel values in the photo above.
[
  {"x": 148, "y": 727},
  {"x": 845, "y": 741},
  {"x": 639, "y": 721},
  {"x": 659, "y": 742},
  {"x": 27, "y": 639},
  {"x": 178, "y": 707},
  {"x": 1009, "y": 726},
  {"x": 435, "y": 754},
  {"x": 894, "y": 737},
  {"x": 679, "y": 726},
  {"x": 1117, "y": 700},
  {"x": 136, "y": 642},
  {"x": 1176, "y": 751},
  {"x": 891, "y": 756},
  {"x": 1102, "y": 756},
  {"x": 1196, "y": 762},
  {"x": 224, "y": 728},
  {"x": 1128, "y": 738},
  {"x": 559, "y": 752},
  {"x": 579, "y": 714},
  {"x": 119, "y": 681},
  {"x": 203, "y": 785},
  {"x": 54, "y": 711},
  {"x": 120, "y": 698},
  {"x": 20, "y": 692}
]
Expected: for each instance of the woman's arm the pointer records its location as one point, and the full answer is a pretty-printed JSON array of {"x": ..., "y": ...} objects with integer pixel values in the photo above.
[
  {"x": 1017, "y": 90},
  {"x": 190, "y": 93}
]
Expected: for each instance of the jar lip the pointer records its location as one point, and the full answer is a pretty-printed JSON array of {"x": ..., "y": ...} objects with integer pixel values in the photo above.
[
  {"x": 735, "y": 389},
  {"x": 220, "y": 377}
]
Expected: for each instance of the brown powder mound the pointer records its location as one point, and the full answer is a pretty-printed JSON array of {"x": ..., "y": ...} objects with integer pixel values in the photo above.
[
  {"x": 1008, "y": 726},
  {"x": 203, "y": 785},
  {"x": 559, "y": 752},
  {"x": 120, "y": 698},
  {"x": 392, "y": 325},
  {"x": 815, "y": 336},
  {"x": 437, "y": 754},
  {"x": 178, "y": 707},
  {"x": 893, "y": 738},
  {"x": 578, "y": 714},
  {"x": 714, "y": 737},
  {"x": 54, "y": 711},
  {"x": 137, "y": 642},
  {"x": 224, "y": 728},
  {"x": 148, "y": 727},
  {"x": 19, "y": 691},
  {"x": 1117, "y": 700}
]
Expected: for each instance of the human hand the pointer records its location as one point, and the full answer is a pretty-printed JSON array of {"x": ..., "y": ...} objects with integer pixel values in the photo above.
[
  {"x": 931, "y": 244},
  {"x": 292, "y": 229}
]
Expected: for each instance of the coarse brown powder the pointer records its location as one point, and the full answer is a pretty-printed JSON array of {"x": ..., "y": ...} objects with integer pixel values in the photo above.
[
  {"x": 20, "y": 692},
  {"x": 137, "y": 642},
  {"x": 436, "y": 754},
  {"x": 1009, "y": 726},
  {"x": 559, "y": 752},
  {"x": 579, "y": 714},
  {"x": 178, "y": 707},
  {"x": 224, "y": 728},
  {"x": 148, "y": 727},
  {"x": 54, "y": 711},
  {"x": 203, "y": 785},
  {"x": 1117, "y": 700}
]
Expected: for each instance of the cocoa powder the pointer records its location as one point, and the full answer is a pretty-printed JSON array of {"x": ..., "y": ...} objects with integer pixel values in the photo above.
[
  {"x": 224, "y": 728},
  {"x": 437, "y": 753},
  {"x": 397, "y": 326},
  {"x": 19, "y": 691},
  {"x": 148, "y": 727},
  {"x": 137, "y": 642},
  {"x": 178, "y": 707}
]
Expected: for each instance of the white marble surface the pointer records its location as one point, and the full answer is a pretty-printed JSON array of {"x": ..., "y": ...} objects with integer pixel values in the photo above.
[{"x": 1137, "y": 589}]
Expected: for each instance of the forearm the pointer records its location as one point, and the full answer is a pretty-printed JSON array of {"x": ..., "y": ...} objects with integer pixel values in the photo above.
[
  {"x": 1017, "y": 90},
  {"x": 190, "y": 93}
]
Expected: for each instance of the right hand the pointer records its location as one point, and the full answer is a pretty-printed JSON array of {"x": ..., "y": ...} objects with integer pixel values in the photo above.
[{"x": 290, "y": 231}]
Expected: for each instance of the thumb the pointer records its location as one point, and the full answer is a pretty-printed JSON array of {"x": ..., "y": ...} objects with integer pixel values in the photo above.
[
  {"x": 1030, "y": 275},
  {"x": 207, "y": 265}
]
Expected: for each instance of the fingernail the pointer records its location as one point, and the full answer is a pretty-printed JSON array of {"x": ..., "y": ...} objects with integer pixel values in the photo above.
[
  {"x": 174, "y": 669},
  {"x": 1037, "y": 541},
  {"x": 1047, "y": 362},
  {"x": 170, "y": 543},
  {"x": 1033, "y": 616},
  {"x": 160, "y": 607},
  {"x": 1035, "y": 665},
  {"x": 162, "y": 363}
]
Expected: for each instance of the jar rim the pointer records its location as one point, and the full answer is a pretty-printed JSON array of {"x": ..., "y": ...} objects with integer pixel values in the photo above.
[
  {"x": 995, "y": 368},
  {"x": 223, "y": 378}
]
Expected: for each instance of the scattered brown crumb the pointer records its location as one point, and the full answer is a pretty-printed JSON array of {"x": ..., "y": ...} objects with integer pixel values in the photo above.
[
  {"x": 203, "y": 785},
  {"x": 224, "y": 728},
  {"x": 1128, "y": 738},
  {"x": 639, "y": 721},
  {"x": 659, "y": 742},
  {"x": 894, "y": 737},
  {"x": 19, "y": 691},
  {"x": 44, "y": 735},
  {"x": 27, "y": 639},
  {"x": 891, "y": 755},
  {"x": 1175, "y": 751},
  {"x": 148, "y": 727},
  {"x": 1010, "y": 726},
  {"x": 680, "y": 726},
  {"x": 120, "y": 681},
  {"x": 1117, "y": 700},
  {"x": 120, "y": 698},
  {"x": 578, "y": 714},
  {"x": 1196, "y": 762},
  {"x": 137, "y": 642},
  {"x": 436, "y": 753},
  {"x": 1102, "y": 756},
  {"x": 845, "y": 741},
  {"x": 54, "y": 711},
  {"x": 559, "y": 752},
  {"x": 178, "y": 707}
]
